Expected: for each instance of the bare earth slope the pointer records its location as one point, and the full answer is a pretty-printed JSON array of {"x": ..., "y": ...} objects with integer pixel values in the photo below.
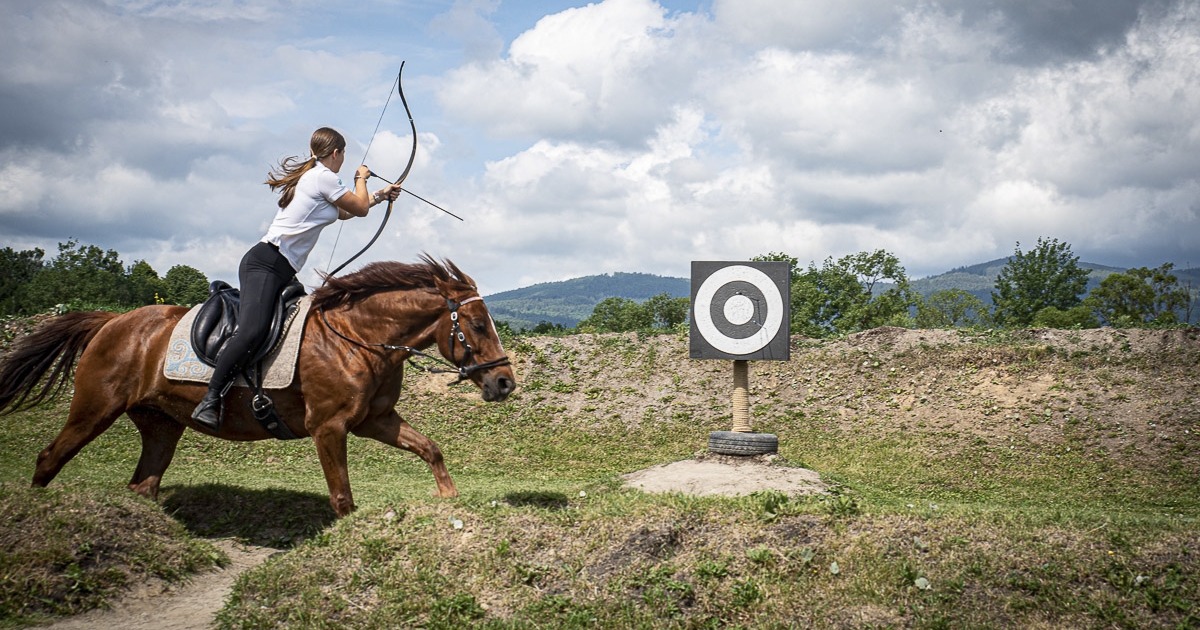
[{"x": 1120, "y": 393}]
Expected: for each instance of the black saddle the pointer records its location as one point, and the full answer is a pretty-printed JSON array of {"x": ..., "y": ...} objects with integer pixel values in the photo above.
[{"x": 217, "y": 321}]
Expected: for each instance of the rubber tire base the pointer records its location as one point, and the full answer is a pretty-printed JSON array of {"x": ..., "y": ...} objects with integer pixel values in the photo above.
[{"x": 733, "y": 443}]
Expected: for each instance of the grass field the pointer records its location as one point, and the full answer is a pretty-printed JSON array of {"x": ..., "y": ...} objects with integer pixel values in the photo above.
[{"x": 985, "y": 481}]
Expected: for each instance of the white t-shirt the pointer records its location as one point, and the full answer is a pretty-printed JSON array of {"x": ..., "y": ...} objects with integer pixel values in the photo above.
[{"x": 295, "y": 228}]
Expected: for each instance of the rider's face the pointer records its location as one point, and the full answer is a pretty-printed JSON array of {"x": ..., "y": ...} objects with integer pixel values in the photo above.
[{"x": 336, "y": 159}]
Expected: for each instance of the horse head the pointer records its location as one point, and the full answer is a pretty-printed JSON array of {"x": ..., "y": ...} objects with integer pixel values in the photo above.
[{"x": 466, "y": 336}]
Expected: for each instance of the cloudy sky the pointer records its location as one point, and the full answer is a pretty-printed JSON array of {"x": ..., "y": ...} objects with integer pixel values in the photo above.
[{"x": 622, "y": 135}]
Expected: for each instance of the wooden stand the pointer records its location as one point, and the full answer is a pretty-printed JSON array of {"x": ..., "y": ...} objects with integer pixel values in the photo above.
[
  {"x": 741, "y": 397},
  {"x": 742, "y": 440}
]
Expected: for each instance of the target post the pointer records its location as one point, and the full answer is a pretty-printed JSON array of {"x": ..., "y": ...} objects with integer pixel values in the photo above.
[{"x": 741, "y": 311}]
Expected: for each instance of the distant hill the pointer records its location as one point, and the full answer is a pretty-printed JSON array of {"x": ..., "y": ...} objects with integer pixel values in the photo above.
[
  {"x": 980, "y": 279},
  {"x": 569, "y": 301}
]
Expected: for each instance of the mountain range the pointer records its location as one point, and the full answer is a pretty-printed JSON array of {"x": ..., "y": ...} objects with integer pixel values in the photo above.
[{"x": 569, "y": 301}]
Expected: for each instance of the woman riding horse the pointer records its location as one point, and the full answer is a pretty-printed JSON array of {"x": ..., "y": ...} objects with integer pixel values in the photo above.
[
  {"x": 360, "y": 331},
  {"x": 313, "y": 197}
]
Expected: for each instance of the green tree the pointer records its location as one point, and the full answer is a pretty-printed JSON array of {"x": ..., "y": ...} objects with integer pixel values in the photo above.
[
  {"x": 951, "y": 308},
  {"x": 821, "y": 297},
  {"x": 1049, "y": 275},
  {"x": 793, "y": 263},
  {"x": 17, "y": 269},
  {"x": 617, "y": 314},
  {"x": 845, "y": 296},
  {"x": 145, "y": 287},
  {"x": 544, "y": 327},
  {"x": 666, "y": 311},
  {"x": 185, "y": 286},
  {"x": 1078, "y": 316},
  {"x": 1139, "y": 297},
  {"x": 80, "y": 276}
]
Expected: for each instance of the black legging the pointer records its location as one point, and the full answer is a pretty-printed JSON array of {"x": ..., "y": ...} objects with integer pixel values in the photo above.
[{"x": 263, "y": 274}]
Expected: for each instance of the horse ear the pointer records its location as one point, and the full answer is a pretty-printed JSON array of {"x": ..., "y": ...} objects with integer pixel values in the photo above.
[
  {"x": 443, "y": 286},
  {"x": 459, "y": 275},
  {"x": 451, "y": 289}
]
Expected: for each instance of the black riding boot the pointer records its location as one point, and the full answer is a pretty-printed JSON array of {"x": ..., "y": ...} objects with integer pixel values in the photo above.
[{"x": 211, "y": 409}]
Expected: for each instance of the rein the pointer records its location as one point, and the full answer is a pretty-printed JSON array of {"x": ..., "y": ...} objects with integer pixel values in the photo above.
[{"x": 457, "y": 337}]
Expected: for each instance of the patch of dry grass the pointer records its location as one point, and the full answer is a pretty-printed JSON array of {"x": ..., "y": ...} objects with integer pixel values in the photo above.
[
  {"x": 613, "y": 559},
  {"x": 63, "y": 551}
]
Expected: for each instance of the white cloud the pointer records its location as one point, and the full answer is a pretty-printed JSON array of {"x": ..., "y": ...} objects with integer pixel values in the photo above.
[
  {"x": 323, "y": 68},
  {"x": 919, "y": 138},
  {"x": 598, "y": 69},
  {"x": 1129, "y": 118},
  {"x": 615, "y": 136}
]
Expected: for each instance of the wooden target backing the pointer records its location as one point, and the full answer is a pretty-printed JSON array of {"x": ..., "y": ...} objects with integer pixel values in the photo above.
[{"x": 740, "y": 310}]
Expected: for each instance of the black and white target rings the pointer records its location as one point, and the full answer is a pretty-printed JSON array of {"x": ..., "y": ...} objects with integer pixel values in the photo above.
[{"x": 740, "y": 311}]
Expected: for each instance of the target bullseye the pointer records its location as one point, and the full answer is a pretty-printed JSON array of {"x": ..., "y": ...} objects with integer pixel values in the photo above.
[{"x": 739, "y": 310}]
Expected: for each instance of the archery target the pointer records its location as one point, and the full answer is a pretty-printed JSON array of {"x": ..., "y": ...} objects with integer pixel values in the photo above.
[{"x": 740, "y": 310}]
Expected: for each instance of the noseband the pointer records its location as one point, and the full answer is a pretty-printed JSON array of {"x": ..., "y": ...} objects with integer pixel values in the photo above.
[
  {"x": 457, "y": 337},
  {"x": 465, "y": 368}
]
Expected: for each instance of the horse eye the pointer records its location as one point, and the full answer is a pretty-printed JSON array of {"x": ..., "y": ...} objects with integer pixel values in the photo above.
[{"x": 478, "y": 327}]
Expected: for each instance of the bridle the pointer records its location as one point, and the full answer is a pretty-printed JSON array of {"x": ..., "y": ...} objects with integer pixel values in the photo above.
[{"x": 465, "y": 367}]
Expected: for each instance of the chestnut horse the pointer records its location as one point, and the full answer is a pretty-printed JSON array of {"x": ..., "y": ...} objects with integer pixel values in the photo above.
[{"x": 360, "y": 330}]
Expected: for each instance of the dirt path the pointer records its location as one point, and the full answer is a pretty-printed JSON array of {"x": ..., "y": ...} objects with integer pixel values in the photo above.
[{"x": 189, "y": 606}]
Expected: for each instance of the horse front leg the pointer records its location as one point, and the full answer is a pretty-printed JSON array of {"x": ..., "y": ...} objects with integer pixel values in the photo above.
[
  {"x": 330, "y": 440},
  {"x": 392, "y": 430}
]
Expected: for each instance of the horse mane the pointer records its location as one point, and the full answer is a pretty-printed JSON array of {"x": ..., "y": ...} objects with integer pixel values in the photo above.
[{"x": 378, "y": 277}]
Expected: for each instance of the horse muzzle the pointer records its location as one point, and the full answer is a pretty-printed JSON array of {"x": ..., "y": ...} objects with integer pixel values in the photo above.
[{"x": 497, "y": 385}]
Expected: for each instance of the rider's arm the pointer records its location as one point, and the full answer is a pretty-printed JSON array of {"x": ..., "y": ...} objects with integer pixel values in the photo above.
[{"x": 359, "y": 202}]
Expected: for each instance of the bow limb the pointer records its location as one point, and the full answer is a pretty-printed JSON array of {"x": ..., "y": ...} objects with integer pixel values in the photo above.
[{"x": 411, "y": 158}]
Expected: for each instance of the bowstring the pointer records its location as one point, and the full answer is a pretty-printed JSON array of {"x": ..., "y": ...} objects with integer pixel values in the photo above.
[{"x": 342, "y": 224}]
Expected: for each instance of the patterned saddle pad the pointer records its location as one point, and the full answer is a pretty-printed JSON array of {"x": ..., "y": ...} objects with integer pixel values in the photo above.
[{"x": 182, "y": 364}]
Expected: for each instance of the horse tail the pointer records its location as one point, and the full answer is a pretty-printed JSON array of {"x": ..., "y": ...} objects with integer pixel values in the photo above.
[{"x": 52, "y": 348}]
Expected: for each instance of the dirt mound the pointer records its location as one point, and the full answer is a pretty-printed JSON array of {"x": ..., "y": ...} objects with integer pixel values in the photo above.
[
  {"x": 726, "y": 475},
  {"x": 1116, "y": 389}
]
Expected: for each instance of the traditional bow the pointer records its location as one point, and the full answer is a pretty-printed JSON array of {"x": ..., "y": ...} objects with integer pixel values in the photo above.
[{"x": 387, "y": 214}]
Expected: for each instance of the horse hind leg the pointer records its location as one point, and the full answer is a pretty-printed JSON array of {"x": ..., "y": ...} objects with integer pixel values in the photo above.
[
  {"x": 160, "y": 435},
  {"x": 91, "y": 414},
  {"x": 392, "y": 430}
]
